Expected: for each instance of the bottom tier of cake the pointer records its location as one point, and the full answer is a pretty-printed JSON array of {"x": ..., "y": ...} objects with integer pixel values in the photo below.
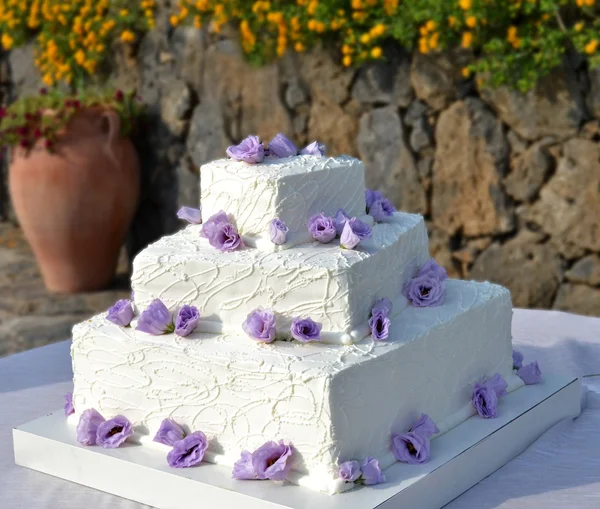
[{"x": 333, "y": 402}]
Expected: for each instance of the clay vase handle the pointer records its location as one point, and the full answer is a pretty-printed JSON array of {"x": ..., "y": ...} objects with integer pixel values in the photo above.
[{"x": 113, "y": 122}]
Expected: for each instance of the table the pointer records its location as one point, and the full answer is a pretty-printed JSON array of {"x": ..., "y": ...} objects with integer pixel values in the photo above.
[{"x": 561, "y": 470}]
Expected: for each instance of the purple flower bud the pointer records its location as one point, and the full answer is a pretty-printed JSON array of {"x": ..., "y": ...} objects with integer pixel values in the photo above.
[
  {"x": 530, "y": 373},
  {"x": 156, "y": 319},
  {"x": 381, "y": 209},
  {"x": 379, "y": 323},
  {"x": 370, "y": 197},
  {"x": 273, "y": 460},
  {"x": 340, "y": 220},
  {"x": 189, "y": 214},
  {"x": 313, "y": 149},
  {"x": 187, "y": 320},
  {"x": 243, "y": 468},
  {"x": 69, "y": 409},
  {"x": 260, "y": 325},
  {"x": 322, "y": 228},
  {"x": 371, "y": 472},
  {"x": 281, "y": 146},
  {"x": 350, "y": 471},
  {"x": 354, "y": 232},
  {"x": 486, "y": 394},
  {"x": 278, "y": 231},
  {"x": 88, "y": 426},
  {"x": 411, "y": 448},
  {"x": 517, "y": 359},
  {"x": 112, "y": 433},
  {"x": 121, "y": 313},
  {"x": 168, "y": 433},
  {"x": 250, "y": 150},
  {"x": 210, "y": 226},
  {"x": 225, "y": 237},
  {"x": 305, "y": 330},
  {"x": 188, "y": 451}
]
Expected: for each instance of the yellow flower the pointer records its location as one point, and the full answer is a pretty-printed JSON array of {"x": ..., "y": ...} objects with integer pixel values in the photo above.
[
  {"x": 579, "y": 26},
  {"x": 471, "y": 21},
  {"x": 430, "y": 25},
  {"x": 100, "y": 48},
  {"x": 434, "y": 40},
  {"x": 346, "y": 50},
  {"x": 174, "y": 20},
  {"x": 377, "y": 31},
  {"x": 47, "y": 79},
  {"x": 390, "y": 6},
  {"x": 80, "y": 56},
  {"x": 365, "y": 38},
  {"x": 591, "y": 47},
  {"x": 451, "y": 21},
  {"x": 466, "y": 72},
  {"x": 423, "y": 45},
  {"x": 123, "y": 12},
  {"x": 376, "y": 52},
  {"x": 197, "y": 22},
  {"x": 312, "y": 7},
  {"x": 347, "y": 61},
  {"x": 299, "y": 47},
  {"x": 127, "y": 36},
  {"x": 467, "y": 39},
  {"x": 7, "y": 41},
  {"x": 465, "y": 4},
  {"x": 356, "y": 4}
]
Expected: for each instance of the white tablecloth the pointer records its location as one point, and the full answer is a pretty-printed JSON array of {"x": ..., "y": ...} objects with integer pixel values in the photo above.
[{"x": 560, "y": 471}]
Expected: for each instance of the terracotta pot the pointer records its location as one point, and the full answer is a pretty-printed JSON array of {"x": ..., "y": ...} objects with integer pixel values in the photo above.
[{"x": 76, "y": 205}]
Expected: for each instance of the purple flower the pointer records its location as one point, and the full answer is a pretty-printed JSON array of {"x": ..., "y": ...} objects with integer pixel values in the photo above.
[
  {"x": 384, "y": 305},
  {"x": 305, "y": 330},
  {"x": 379, "y": 323},
  {"x": 517, "y": 358},
  {"x": 354, "y": 232},
  {"x": 188, "y": 451},
  {"x": 281, "y": 146},
  {"x": 428, "y": 287},
  {"x": 486, "y": 394},
  {"x": 88, "y": 426},
  {"x": 121, "y": 313},
  {"x": 433, "y": 269},
  {"x": 411, "y": 447},
  {"x": 278, "y": 231},
  {"x": 381, "y": 209},
  {"x": 210, "y": 226},
  {"x": 350, "y": 471},
  {"x": 425, "y": 426},
  {"x": 250, "y": 150},
  {"x": 168, "y": 433},
  {"x": 370, "y": 197},
  {"x": 243, "y": 468},
  {"x": 322, "y": 228},
  {"x": 340, "y": 220},
  {"x": 191, "y": 215},
  {"x": 156, "y": 319},
  {"x": 273, "y": 460},
  {"x": 313, "y": 149},
  {"x": 69, "y": 409},
  {"x": 260, "y": 325},
  {"x": 225, "y": 238},
  {"x": 112, "y": 433},
  {"x": 371, "y": 472},
  {"x": 530, "y": 373},
  {"x": 187, "y": 320}
]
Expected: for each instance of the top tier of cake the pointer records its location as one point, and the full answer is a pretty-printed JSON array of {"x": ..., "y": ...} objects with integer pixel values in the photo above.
[{"x": 291, "y": 189}]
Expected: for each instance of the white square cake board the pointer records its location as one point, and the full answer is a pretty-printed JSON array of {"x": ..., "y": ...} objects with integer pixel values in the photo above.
[{"x": 460, "y": 458}]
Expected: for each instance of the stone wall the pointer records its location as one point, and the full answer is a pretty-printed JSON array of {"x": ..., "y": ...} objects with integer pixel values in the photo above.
[{"x": 509, "y": 183}]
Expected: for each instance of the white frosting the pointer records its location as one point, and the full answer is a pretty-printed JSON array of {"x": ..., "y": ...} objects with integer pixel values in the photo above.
[
  {"x": 333, "y": 402},
  {"x": 291, "y": 188},
  {"x": 336, "y": 287}
]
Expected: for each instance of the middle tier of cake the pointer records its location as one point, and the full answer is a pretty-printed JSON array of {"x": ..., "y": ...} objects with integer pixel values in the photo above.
[{"x": 335, "y": 287}]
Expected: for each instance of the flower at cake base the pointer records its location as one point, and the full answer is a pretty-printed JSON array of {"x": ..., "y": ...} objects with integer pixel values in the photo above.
[
  {"x": 305, "y": 330},
  {"x": 188, "y": 451},
  {"x": 168, "y": 433},
  {"x": 113, "y": 432},
  {"x": 278, "y": 231},
  {"x": 350, "y": 471},
  {"x": 340, "y": 221},
  {"x": 414, "y": 446},
  {"x": 187, "y": 320},
  {"x": 210, "y": 225},
  {"x": 322, "y": 228},
  {"x": 486, "y": 395},
  {"x": 517, "y": 358},
  {"x": 156, "y": 319},
  {"x": 354, "y": 232},
  {"x": 250, "y": 150},
  {"x": 313, "y": 149},
  {"x": 273, "y": 460},
  {"x": 69, "y": 408},
  {"x": 260, "y": 325},
  {"x": 428, "y": 287},
  {"x": 225, "y": 238},
  {"x": 379, "y": 323},
  {"x": 371, "y": 472},
  {"x": 243, "y": 470},
  {"x": 189, "y": 214},
  {"x": 88, "y": 426},
  {"x": 530, "y": 373},
  {"x": 282, "y": 146},
  {"x": 121, "y": 313}
]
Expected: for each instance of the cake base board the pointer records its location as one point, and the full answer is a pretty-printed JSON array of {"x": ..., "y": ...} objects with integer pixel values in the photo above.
[{"x": 460, "y": 458}]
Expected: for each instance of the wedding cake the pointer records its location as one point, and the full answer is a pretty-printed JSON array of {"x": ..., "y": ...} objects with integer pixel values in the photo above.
[{"x": 296, "y": 329}]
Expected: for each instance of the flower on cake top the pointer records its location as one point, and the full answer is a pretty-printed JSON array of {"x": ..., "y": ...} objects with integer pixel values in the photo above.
[
  {"x": 188, "y": 451},
  {"x": 250, "y": 150},
  {"x": 189, "y": 214},
  {"x": 350, "y": 471},
  {"x": 486, "y": 395},
  {"x": 377, "y": 206},
  {"x": 313, "y": 149},
  {"x": 322, "y": 228},
  {"x": 260, "y": 325},
  {"x": 282, "y": 146},
  {"x": 69, "y": 408},
  {"x": 428, "y": 287},
  {"x": 121, "y": 313},
  {"x": 354, "y": 232},
  {"x": 157, "y": 320},
  {"x": 272, "y": 460},
  {"x": 368, "y": 473},
  {"x": 187, "y": 320},
  {"x": 113, "y": 432},
  {"x": 278, "y": 231},
  {"x": 305, "y": 330},
  {"x": 221, "y": 233},
  {"x": 379, "y": 322},
  {"x": 517, "y": 359},
  {"x": 413, "y": 447},
  {"x": 168, "y": 433}
]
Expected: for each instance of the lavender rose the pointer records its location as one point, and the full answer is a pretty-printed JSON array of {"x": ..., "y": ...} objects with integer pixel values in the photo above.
[
  {"x": 354, "y": 232},
  {"x": 112, "y": 433},
  {"x": 381, "y": 209},
  {"x": 305, "y": 330},
  {"x": 425, "y": 426},
  {"x": 121, "y": 313},
  {"x": 88, "y": 426},
  {"x": 188, "y": 451},
  {"x": 278, "y": 230},
  {"x": 187, "y": 320},
  {"x": 370, "y": 197},
  {"x": 313, "y": 149},
  {"x": 384, "y": 305},
  {"x": 350, "y": 471},
  {"x": 189, "y": 214},
  {"x": 517, "y": 358},
  {"x": 433, "y": 269},
  {"x": 322, "y": 228},
  {"x": 379, "y": 323},
  {"x": 243, "y": 468},
  {"x": 340, "y": 220},
  {"x": 260, "y": 325},
  {"x": 210, "y": 226},
  {"x": 250, "y": 150},
  {"x": 168, "y": 433},
  {"x": 428, "y": 287},
  {"x": 530, "y": 373},
  {"x": 486, "y": 394},
  {"x": 273, "y": 460},
  {"x": 156, "y": 319},
  {"x": 411, "y": 448},
  {"x": 281, "y": 146},
  {"x": 225, "y": 237},
  {"x": 69, "y": 409},
  {"x": 371, "y": 472}
]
